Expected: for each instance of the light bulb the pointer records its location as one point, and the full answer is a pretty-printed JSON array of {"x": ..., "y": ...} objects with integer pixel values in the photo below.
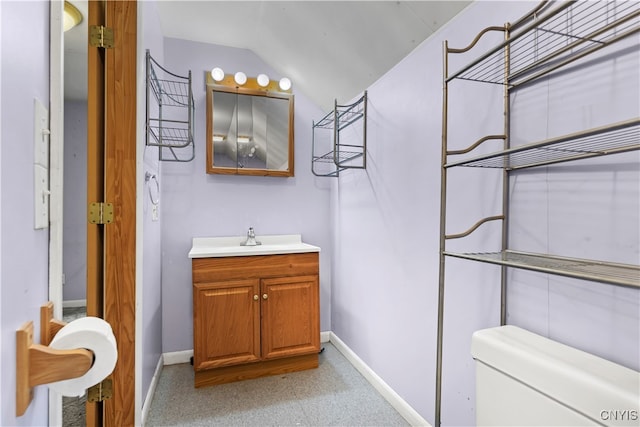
[
  {"x": 217, "y": 74},
  {"x": 240, "y": 78},
  {"x": 263, "y": 80},
  {"x": 285, "y": 83},
  {"x": 71, "y": 17}
]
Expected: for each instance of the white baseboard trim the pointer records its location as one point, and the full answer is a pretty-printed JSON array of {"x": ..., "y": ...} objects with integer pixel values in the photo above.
[
  {"x": 177, "y": 357},
  {"x": 74, "y": 303},
  {"x": 400, "y": 405},
  {"x": 146, "y": 406},
  {"x": 325, "y": 336}
]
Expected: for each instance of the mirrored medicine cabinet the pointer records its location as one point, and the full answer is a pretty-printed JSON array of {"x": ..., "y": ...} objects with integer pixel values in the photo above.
[{"x": 249, "y": 128}]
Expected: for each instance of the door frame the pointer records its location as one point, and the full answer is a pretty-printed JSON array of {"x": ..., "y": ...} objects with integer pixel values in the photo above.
[
  {"x": 56, "y": 177},
  {"x": 95, "y": 259}
]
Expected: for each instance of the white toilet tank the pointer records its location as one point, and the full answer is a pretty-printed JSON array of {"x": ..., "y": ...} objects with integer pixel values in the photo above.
[{"x": 523, "y": 379}]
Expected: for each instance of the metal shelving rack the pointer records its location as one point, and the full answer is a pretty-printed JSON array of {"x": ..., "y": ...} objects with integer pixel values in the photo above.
[
  {"x": 170, "y": 113},
  {"x": 546, "y": 39},
  {"x": 342, "y": 155}
]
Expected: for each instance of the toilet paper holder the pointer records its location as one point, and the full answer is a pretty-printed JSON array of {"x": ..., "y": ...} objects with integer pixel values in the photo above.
[{"x": 38, "y": 364}]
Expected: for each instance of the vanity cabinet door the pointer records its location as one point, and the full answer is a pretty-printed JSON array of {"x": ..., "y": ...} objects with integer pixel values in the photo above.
[
  {"x": 290, "y": 316},
  {"x": 226, "y": 323}
]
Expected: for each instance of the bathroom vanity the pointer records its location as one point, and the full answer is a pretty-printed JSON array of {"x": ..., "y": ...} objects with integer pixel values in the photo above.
[{"x": 255, "y": 308}]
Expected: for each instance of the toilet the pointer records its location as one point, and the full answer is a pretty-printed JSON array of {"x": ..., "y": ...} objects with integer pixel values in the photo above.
[{"x": 523, "y": 379}]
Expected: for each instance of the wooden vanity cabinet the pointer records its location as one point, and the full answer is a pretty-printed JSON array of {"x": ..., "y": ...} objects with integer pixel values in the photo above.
[
  {"x": 254, "y": 316},
  {"x": 226, "y": 323}
]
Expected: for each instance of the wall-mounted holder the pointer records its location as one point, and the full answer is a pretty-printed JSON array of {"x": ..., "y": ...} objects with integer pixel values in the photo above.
[
  {"x": 170, "y": 113},
  {"x": 37, "y": 364},
  {"x": 346, "y": 151}
]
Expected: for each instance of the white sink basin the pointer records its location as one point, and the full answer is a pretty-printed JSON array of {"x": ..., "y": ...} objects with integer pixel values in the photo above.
[{"x": 209, "y": 247}]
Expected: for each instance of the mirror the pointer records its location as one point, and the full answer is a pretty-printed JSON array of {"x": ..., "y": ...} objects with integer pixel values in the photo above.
[{"x": 249, "y": 129}]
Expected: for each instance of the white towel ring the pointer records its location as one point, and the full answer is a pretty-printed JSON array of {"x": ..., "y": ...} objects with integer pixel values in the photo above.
[{"x": 148, "y": 177}]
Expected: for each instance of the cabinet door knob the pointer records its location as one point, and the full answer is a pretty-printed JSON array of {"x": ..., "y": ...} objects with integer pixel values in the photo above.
[
  {"x": 256, "y": 297},
  {"x": 265, "y": 296}
]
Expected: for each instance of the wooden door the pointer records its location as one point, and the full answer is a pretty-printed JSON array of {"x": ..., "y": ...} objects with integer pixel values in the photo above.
[
  {"x": 290, "y": 316},
  {"x": 111, "y": 248},
  {"x": 226, "y": 323}
]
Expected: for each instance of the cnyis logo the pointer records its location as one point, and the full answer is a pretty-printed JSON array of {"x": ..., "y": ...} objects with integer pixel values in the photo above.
[{"x": 619, "y": 415}]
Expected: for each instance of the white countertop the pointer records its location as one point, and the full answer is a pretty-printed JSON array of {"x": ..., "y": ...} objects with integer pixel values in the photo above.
[{"x": 210, "y": 247}]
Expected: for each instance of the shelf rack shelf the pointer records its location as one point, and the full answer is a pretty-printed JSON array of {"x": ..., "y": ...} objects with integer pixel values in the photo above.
[
  {"x": 544, "y": 41},
  {"x": 170, "y": 113},
  {"x": 553, "y": 39},
  {"x": 342, "y": 155},
  {"x": 597, "y": 271},
  {"x": 610, "y": 139}
]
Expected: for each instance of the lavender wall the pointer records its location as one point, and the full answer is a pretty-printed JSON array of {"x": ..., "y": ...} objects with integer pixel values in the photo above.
[
  {"x": 24, "y": 76},
  {"x": 151, "y": 294},
  {"x": 385, "y": 222},
  {"x": 75, "y": 201},
  {"x": 195, "y": 204},
  {"x": 1, "y": 227}
]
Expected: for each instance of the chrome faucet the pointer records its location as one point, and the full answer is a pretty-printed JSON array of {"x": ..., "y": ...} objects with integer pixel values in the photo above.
[{"x": 251, "y": 239}]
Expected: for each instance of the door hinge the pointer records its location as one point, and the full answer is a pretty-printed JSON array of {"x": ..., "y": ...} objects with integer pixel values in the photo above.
[
  {"x": 101, "y": 391},
  {"x": 101, "y": 36},
  {"x": 100, "y": 213}
]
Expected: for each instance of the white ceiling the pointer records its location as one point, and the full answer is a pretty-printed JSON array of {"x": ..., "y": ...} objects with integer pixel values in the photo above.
[{"x": 329, "y": 49}]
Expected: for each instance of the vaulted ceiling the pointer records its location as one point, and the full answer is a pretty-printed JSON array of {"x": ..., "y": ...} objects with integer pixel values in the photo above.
[{"x": 329, "y": 49}]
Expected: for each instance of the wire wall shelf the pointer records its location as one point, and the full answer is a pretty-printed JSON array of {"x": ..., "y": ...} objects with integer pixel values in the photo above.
[
  {"x": 554, "y": 39},
  {"x": 329, "y": 139},
  {"x": 170, "y": 113}
]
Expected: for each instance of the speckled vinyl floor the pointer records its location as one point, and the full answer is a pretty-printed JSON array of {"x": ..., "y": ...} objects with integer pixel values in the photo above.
[{"x": 334, "y": 394}]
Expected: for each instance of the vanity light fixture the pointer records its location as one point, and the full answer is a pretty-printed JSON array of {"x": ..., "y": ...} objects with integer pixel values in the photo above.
[
  {"x": 240, "y": 81},
  {"x": 263, "y": 80},
  {"x": 243, "y": 140},
  {"x": 217, "y": 74},
  {"x": 72, "y": 16},
  {"x": 285, "y": 83},
  {"x": 240, "y": 78},
  {"x": 218, "y": 138}
]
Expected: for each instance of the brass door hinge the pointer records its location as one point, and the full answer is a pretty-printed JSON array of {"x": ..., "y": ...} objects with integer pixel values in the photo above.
[
  {"x": 100, "y": 391},
  {"x": 101, "y": 36},
  {"x": 100, "y": 213}
]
